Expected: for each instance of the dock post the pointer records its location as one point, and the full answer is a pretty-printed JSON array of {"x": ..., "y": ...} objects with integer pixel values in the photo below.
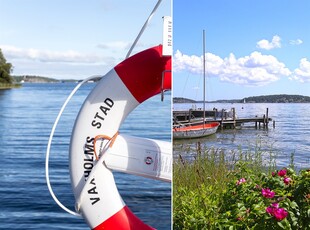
[
  {"x": 264, "y": 121},
  {"x": 222, "y": 126},
  {"x": 267, "y": 121},
  {"x": 215, "y": 113},
  {"x": 274, "y": 124},
  {"x": 234, "y": 116}
]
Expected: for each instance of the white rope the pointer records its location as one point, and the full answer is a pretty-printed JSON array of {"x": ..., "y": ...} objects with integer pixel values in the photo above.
[
  {"x": 50, "y": 143},
  {"x": 143, "y": 28}
]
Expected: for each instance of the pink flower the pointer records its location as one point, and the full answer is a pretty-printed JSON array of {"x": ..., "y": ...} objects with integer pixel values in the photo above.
[
  {"x": 269, "y": 210},
  {"x": 282, "y": 172},
  {"x": 278, "y": 213},
  {"x": 273, "y": 174},
  {"x": 242, "y": 180},
  {"x": 287, "y": 180},
  {"x": 275, "y": 205},
  {"x": 267, "y": 193}
]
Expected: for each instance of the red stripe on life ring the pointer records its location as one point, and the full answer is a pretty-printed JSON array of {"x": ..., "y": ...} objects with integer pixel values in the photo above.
[
  {"x": 143, "y": 72},
  {"x": 123, "y": 220}
]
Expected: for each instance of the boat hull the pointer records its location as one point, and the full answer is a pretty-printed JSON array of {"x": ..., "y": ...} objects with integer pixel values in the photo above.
[{"x": 195, "y": 131}]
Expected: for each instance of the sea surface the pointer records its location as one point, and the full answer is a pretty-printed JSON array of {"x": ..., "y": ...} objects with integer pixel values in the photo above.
[
  {"x": 290, "y": 136},
  {"x": 26, "y": 118}
]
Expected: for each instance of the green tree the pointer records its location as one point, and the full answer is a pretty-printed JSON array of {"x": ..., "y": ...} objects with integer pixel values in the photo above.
[{"x": 5, "y": 70}]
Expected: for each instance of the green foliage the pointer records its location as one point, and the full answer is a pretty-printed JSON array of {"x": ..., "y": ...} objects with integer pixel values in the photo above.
[
  {"x": 218, "y": 190},
  {"x": 5, "y": 70}
]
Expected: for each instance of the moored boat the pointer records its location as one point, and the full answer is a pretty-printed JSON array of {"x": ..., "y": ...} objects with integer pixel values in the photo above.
[
  {"x": 190, "y": 130},
  {"x": 195, "y": 131}
]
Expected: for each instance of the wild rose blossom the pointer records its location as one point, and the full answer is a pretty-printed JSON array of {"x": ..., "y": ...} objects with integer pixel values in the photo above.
[
  {"x": 275, "y": 205},
  {"x": 282, "y": 172},
  {"x": 278, "y": 213},
  {"x": 241, "y": 181},
  {"x": 271, "y": 208},
  {"x": 267, "y": 193},
  {"x": 287, "y": 180}
]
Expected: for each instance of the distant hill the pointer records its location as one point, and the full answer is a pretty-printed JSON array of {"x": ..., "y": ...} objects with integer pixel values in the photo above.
[
  {"x": 40, "y": 79},
  {"x": 278, "y": 98},
  {"x": 183, "y": 100},
  {"x": 34, "y": 79}
]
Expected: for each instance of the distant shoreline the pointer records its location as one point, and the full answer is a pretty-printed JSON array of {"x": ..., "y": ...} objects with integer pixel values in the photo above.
[
  {"x": 40, "y": 79},
  {"x": 37, "y": 79},
  {"x": 18, "y": 81},
  {"x": 277, "y": 98},
  {"x": 9, "y": 86}
]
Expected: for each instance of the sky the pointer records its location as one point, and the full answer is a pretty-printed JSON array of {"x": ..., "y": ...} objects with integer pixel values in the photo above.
[
  {"x": 252, "y": 48},
  {"x": 75, "y": 39}
]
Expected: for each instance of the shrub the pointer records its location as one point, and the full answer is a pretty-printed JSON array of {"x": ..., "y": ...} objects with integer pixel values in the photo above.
[{"x": 280, "y": 200}]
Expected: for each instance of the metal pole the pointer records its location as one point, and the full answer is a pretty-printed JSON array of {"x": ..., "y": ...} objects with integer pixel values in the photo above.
[{"x": 204, "y": 79}]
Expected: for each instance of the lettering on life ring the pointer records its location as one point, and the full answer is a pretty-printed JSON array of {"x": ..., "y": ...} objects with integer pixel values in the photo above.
[
  {"x": 88, "y": 157},
  {"x": 102, "y": 113},
  {"x": 92, "y": 192}
]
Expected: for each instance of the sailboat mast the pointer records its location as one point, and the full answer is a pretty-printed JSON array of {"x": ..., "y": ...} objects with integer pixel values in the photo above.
[{"x": 204, "y": 79}]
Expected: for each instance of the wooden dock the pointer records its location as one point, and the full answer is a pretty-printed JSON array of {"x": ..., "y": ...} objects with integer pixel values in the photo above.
[
  {"x": 258, "y": 122},
  {"x": 228, "y": 122}
]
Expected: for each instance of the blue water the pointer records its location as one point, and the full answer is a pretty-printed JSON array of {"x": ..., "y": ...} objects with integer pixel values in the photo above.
[
  {"x": 26, "y": 118},
  {"x": 291, "y": 134}
]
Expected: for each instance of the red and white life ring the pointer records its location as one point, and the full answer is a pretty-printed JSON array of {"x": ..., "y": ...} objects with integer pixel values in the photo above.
[{"x": 96, "y": 147}]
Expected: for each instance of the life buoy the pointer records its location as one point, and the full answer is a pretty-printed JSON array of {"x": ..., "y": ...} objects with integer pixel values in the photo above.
[{"x": 96, "y": 147}]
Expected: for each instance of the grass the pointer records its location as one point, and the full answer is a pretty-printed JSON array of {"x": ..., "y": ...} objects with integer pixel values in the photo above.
[{"x": 212, "y": 165}]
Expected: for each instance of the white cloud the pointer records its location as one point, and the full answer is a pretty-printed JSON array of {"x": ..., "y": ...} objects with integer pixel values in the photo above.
[
  {"x": 296, "y": 42},
  {"x": 302, "y": 73},
  {"x": 56, "y": 64},
  {"x": 118, "y": 45},
  {"x": 253, "y": 70},
  {"x": 267, "y": 45},
  {"x": 69, "y": 56},
  {"x": 193, "y": 63}
]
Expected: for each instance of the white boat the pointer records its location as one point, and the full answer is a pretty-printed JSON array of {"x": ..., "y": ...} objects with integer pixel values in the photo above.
[{"x": 197, "y": 130}]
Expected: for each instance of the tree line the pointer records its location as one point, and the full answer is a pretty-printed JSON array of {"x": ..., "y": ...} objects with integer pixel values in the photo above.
[
  {"x": 279, "y": 98},
  {"x": 5, "y": 70}
]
